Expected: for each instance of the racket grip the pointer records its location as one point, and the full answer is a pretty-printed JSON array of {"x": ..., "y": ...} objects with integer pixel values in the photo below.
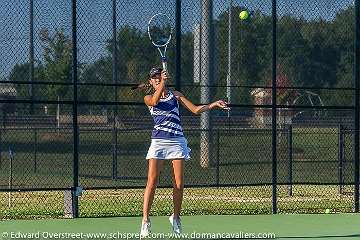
[{"x": 164, "y": 63}]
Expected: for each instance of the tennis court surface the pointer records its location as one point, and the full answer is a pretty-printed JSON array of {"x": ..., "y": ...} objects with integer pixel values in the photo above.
[{"x": 300, "y": 226}]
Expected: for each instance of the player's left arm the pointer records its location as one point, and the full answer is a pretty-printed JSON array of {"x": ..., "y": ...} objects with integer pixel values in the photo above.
[{"x": 197, "y": 109}]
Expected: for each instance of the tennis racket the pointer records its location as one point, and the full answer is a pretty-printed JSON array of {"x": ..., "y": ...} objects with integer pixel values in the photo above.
[{"x": 160, "y": 31}]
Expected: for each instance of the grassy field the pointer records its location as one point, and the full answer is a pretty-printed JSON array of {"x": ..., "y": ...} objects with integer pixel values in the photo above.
[
  {"x": 44, "y": 159},
  {"x": 128, "y": 202},
  {"x": 244, "y": 157}
]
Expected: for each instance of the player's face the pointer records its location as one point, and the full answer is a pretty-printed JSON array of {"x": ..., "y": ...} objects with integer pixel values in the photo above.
[{"x": 155, "y": 81}]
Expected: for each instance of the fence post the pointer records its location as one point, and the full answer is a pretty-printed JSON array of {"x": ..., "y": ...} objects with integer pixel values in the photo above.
[
  {"x": 4, "y": 119},
  {"x": 11, "y": 156},
  {"x": 290, "y": 152},
  {"x": 115, "y": 151},
  {"x": 341, "y": 157},
  {"x": 114, "y": 78},
  {"x": 274, "y": 107},
  {"x": 74, "y": 192},
  {"x": 357, "y": 107},
  {"x": 35, "y": 150},
  {"x": 178, "y": 46},
  {"x": 218, "y": 158},
  {"x": 1, "y": 144},
  {"x": 31, "y": 56}
]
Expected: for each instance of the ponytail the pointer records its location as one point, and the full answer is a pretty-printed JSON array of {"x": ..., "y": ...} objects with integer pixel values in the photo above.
[{"x": 145, "y": 87}]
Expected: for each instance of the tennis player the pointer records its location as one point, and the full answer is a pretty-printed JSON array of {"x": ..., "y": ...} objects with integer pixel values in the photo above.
[{"x": 167, "y": 143}]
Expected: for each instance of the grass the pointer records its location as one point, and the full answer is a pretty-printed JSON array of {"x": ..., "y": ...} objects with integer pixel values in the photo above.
[
  {"x": 244, "y": 158},
  {"x": 128, "y": 202}
]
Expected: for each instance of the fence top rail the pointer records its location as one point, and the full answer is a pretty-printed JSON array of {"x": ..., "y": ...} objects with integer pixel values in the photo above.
[
  {"x": 173, "y": 86},
  {"x": 249, "y": 129}
]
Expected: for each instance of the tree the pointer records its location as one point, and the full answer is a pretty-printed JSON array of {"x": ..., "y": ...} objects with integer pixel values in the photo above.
[
  {"x": 98, "y": 72},
  {"x": 57, "y": 62},
  {"x": 20, "y": 72},
  {"x": 343, "y": 38},
  {"x": 251, "y": 51},
  {"x": 313, "y": 53}
]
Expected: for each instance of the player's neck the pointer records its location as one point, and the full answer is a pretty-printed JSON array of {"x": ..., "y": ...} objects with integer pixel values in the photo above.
[{"x": 164, "y": 93}]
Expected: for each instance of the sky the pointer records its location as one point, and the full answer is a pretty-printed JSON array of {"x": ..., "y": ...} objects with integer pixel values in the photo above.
[{"x": 95, "y": 19}]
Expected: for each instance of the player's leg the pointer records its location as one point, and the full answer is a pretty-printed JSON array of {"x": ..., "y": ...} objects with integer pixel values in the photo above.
[
  {"x": 178, "y": 183},
  {"x": 155, "y": 167}
]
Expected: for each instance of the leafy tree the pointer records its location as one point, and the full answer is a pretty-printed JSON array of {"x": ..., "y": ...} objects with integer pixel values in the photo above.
[
  {"x": 312, "y": 53},
  {"x": 250, "y": 44},
  {"x": 57, "y": 62},
  {"x": 98, "y": 72},
  {"x": 21, "y": 72},
  {"x": 343, "y": 39}
]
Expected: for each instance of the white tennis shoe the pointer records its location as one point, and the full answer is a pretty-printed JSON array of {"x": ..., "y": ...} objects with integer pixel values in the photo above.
[
  {"x": 176, "y": 224},
  {"x": 145, "y": 229}
]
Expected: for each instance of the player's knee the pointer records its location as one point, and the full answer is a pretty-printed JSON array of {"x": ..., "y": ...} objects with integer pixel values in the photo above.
[
  {"x": 152, "y": 182},
  {"x": 179, "y": 186}
]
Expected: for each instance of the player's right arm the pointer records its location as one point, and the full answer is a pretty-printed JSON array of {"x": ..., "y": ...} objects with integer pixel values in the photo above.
[
  {"x": 153, "y": 100},
  {"x": 197, "y": 109}
]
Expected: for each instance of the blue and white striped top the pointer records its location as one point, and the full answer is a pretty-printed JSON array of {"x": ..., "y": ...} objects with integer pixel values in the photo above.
[{"x": 166, "y": 118}]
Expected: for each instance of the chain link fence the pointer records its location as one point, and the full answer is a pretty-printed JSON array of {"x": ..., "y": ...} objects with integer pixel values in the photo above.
[{"x": 73, "y": 135}]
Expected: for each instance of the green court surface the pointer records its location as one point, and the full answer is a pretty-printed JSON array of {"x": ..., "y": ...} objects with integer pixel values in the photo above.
[{"x": 300, "y": 226}]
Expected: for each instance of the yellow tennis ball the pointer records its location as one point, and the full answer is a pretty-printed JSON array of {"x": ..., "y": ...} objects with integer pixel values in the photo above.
[
  {"x": 327, "y": 211},
  {"x": 244, "y": 15}
]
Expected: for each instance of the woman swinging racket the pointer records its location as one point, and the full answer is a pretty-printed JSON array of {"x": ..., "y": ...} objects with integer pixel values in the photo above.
[{"x": 167, "y": 143}]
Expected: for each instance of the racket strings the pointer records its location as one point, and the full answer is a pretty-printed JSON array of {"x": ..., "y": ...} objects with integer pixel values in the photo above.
[{"x": 160, "y": 29}]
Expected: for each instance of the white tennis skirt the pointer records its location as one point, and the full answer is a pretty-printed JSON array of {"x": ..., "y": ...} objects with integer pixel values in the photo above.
[{"x": 172, "y": 148}]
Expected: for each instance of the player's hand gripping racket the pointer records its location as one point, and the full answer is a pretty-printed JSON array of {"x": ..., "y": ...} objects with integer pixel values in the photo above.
[{"x": 160, "y": 30}]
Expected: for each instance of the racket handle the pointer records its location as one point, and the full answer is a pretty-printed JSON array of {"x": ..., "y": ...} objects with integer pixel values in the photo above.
[{"x": 164, "y": 63}]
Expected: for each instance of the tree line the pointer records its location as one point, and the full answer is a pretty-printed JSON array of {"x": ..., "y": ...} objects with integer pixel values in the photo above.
[{"x": 312, "y": 53}]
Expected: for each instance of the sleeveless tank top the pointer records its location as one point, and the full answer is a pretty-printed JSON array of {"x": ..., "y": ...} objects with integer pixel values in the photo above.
[{"x": 166, "y": 117}]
